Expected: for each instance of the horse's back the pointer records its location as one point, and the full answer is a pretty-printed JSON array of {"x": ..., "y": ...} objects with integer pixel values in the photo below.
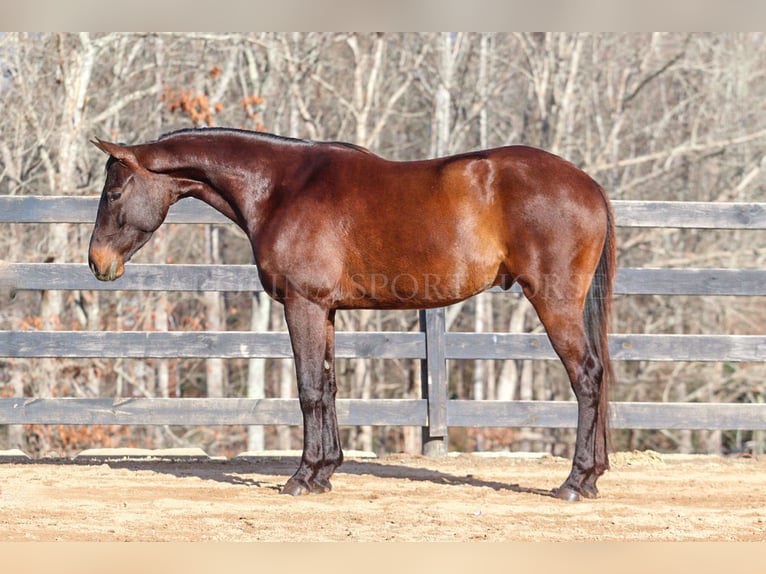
[{"x": 517, "y": 193}]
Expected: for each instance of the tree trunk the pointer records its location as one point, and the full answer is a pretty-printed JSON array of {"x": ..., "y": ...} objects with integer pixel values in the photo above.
[
  {"x": 215, "y": 314},
  {"x": 256, "y": 372}
]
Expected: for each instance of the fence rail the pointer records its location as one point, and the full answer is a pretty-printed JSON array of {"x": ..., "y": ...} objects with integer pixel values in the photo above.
[
  {"x": 678, "y": 214},
  {"x": 381, "y": 412},
  {"x": 432, "y": 344},
  {"x": 366, "y": 345},
  {"x": 158, "y": 277}
]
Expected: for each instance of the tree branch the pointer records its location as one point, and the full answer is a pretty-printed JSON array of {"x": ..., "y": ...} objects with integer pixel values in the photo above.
[
  {"x": 124, "y": 101},
  {"x": 653, "y": 76},
  {"x": 679, "y": 150}
]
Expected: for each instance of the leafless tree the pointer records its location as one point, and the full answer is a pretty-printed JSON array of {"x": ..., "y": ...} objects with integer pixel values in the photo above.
[{"x": 650, "y": 116}]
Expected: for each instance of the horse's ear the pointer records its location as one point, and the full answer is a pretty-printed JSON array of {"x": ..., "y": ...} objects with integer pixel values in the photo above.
[{"x": 120, "y": 153}]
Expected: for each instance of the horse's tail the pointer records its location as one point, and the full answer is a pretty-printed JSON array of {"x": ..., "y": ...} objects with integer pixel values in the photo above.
[{"x": 597, "y": 312}]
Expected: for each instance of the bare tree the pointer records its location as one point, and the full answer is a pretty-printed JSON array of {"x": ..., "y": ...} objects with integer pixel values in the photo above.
[{"x": 650, "y": 116}]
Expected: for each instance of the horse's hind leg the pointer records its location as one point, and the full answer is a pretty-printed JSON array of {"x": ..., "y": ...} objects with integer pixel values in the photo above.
[{"x": 564, "y": 323}]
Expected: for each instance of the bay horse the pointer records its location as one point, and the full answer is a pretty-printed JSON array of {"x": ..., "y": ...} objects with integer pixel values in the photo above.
[{"x": 334, "y": 226}]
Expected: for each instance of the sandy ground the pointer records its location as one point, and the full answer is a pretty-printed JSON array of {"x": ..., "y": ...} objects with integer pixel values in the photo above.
[{"x": 645, "y": 496}]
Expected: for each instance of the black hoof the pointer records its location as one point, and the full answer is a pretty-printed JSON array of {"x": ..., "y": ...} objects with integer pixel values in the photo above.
[{"x": 566, "y": 493}]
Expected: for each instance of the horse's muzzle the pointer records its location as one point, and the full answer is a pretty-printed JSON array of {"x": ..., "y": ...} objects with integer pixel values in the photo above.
[{"x": 104, "y": 265}]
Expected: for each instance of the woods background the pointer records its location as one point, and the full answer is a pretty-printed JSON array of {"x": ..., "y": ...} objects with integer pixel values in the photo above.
[{"x": 650, "y": 116}]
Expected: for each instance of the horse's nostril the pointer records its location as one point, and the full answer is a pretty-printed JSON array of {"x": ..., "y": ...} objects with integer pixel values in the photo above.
[{"x": 94, "y": 268}]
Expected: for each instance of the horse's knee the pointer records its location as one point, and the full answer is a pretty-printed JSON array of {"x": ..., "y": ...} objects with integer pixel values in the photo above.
[{"x": 310, "y": 398}]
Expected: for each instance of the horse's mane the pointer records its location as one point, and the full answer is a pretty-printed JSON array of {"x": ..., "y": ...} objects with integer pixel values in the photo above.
[
  {"x": 236, "y": 131},
  {"x": 257, "y": 136}
]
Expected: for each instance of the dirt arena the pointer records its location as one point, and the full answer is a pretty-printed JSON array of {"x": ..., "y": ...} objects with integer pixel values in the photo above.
[{"x": 646, "y": 496}]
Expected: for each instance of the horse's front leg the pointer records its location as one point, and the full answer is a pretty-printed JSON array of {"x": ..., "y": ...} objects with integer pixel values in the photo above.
[
  {"x": 309, "y": 326},
  {"x": 332, "y": 454}
]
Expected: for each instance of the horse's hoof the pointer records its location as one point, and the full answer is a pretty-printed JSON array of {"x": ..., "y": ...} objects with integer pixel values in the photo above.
[
  {"x": 320, "y": 486},
  {"x": 566, "y": 493},
  {"x": 295, "y": 488}
]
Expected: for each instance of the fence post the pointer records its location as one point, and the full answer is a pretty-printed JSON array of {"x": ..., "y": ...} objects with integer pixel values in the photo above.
[{"x": 433, "y": 381}]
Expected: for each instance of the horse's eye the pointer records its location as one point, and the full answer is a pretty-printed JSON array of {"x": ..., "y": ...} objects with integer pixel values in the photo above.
[{"x": 114, "y": 196}]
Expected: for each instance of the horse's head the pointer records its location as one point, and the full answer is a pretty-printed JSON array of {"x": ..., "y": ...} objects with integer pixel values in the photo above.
[{"x": 133, "y": 205}]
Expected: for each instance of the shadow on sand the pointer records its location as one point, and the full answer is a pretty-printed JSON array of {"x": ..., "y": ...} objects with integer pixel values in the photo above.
[{"x": 239, "y": 472}]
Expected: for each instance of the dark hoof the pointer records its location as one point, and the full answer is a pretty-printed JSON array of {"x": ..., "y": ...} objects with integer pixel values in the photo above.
[
  {"x": 320, "y": 486},
  {"x": 566, "y": 493},
  {"x": 295, "y": 488}
]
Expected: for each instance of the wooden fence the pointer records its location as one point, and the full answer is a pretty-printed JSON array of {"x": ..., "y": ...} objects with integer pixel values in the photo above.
[{"x": 433, "y": 345}]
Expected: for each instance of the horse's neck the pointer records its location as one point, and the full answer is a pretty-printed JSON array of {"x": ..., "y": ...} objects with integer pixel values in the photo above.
[
  {"x": 215, "y": 184},
  {"x": 218, "y": 201}
]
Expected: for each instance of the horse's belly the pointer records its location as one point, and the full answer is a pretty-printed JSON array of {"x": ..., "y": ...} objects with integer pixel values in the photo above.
[{"x": 415, "y": 287}]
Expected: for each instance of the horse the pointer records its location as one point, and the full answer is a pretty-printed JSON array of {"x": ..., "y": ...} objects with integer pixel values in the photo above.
[{"x": 334, "y": 226}]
